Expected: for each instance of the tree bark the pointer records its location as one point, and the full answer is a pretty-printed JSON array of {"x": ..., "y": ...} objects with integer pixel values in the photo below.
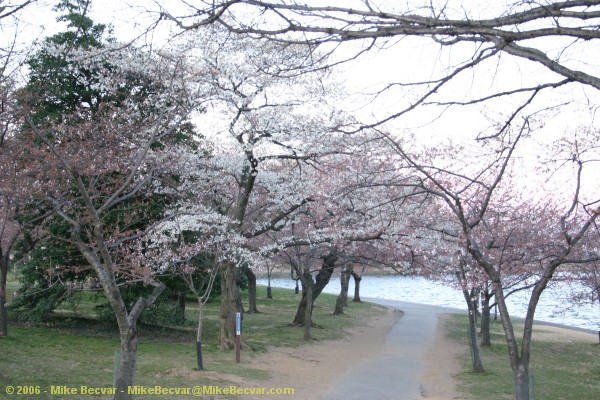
[
  {"x": 475, "y": 350},
  {"x": 199, "y": 360},
  {"x": 3, "y": 296},
  {"x": 357, "y": 279},
  {"x": 317, "y": 287},
  {"x": 126, "y": 369},
  {"x": 252, "y": 309},
  {"x": 231, "y": 303},
  {"x": 477, "y": 362},
  {"x": 181, "y": 306},
  {"x": 518, "y": 363},
  {"x": 269, "y": 290},
  {"x": 485, "y": 318},
  {"x": 342, "y": 299},
  {"x": 521, "y": 377},
  {"x": 308, "y": 284}
]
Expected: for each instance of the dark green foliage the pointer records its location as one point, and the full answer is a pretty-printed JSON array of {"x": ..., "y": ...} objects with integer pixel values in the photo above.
[
  {"x": 57, "y": 87},
  {"x": 53, "y": 265}
]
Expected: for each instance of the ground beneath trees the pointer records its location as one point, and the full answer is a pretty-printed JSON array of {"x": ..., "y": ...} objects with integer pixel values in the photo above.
[{"x": 315, "y": 368}]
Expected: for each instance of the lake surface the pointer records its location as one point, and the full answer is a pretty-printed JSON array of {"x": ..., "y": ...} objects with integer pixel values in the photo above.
[{"x": 553, "y": 306}]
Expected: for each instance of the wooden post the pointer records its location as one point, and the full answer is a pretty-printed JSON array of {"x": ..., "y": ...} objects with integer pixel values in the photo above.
[{"x": 238, "y": 336}]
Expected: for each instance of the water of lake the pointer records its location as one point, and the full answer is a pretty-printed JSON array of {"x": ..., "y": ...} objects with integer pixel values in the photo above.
[{"x": 553, "y": 306}]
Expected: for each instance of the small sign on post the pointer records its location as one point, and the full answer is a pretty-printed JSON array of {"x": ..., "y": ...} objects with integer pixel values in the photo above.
[{"x": 238, "y": 336}]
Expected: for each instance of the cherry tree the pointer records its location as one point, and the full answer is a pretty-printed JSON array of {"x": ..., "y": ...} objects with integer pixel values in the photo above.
[
  {"x": 468, "y": 192},
  {"x": 356, "y": 212},
  {"x": 262, "y": 131},
  {"x": 100, "y": 166},
  {"x": 11, "y": 181}
]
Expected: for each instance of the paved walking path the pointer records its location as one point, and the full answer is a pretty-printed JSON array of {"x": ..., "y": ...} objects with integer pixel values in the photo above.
[{"x": 395, "y": 373}]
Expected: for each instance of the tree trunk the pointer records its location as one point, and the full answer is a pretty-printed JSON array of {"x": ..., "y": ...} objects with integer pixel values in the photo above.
[
  {"x": 125, "y": 373},
  {"x": 317, "y": 287},
  {"x": 345, "y": 284},
  {"x": 475, "y": 350},
  {"x": 199, "y": 335},
  {"x": 521, "y": 377},
  {"x": 251, "y": 288},
  {"x": 357, "y": 279},
  {"x": 342, "y": 299},
  {"x": 308, "y": 284},
  {"x": 181, "y": 306},
  {"x": 269, "y": 290},
  {"x": 231, "y": 303},
  {"x": 485, "y": 318},
  {"x": 3, "y": 296},
  {"x": 518, "y": 363},
  {"x": 472, "y": 307}
]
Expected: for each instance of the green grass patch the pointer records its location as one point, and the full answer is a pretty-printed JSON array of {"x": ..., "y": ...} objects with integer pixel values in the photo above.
[
  {"x": 73, "y": 348},
  {"x": 561, "y": 370}
]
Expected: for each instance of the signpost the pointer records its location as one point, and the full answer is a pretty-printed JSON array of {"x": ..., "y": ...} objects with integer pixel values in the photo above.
[{"x": 238, "y": 336}]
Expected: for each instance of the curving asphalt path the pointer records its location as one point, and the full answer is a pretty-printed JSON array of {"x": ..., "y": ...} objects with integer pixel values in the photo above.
[{"x": 395, "y": 373}]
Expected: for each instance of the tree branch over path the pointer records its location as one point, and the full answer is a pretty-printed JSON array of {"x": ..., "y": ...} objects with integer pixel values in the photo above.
[{"x": 299, "y": 22}]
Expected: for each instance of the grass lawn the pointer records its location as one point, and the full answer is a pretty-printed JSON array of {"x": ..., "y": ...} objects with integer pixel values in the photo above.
[
  {"x": 74, "y": 349},
  {"x": 561, "y": 370}
]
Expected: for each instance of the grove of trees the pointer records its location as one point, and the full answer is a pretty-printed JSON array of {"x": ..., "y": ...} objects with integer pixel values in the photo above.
[{"x": 466, "y": 146}]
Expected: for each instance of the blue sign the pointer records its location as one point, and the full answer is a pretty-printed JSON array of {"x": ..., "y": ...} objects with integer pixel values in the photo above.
[{"x": 238, "y": 324}]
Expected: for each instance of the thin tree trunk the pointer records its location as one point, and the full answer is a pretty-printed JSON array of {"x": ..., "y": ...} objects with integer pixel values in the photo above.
[
  {"x": 308, "y": 285},
  {"x": 3, "y": 310},
  {"x": 357, "y": 279},
  {"x": 477, "y": 362},
  {"x": 199, "y": 335},
  {"x": 475, "y": 350},
  {"x": 321, "y": 281},
  {"x": 269, "y": 290},
  {"x": 3, "y": 301},
  {"x": 252, "y": 309},
  {"x": 518, "y": 364},
  {"x": 231, "y": 303},
  {"x": 181, "y": 306}
]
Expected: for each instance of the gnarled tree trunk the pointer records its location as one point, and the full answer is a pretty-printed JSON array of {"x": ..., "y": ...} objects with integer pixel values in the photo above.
[
  {"x": 342, "y": 299},
  {"x": 317, "y": 287},
  {"x": 252, "y": 309},
  {"x": 357, "y": 278}
]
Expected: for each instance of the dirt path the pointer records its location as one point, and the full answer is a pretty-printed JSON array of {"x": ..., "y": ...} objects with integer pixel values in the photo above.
[
  {"x": 310, "y": 369},
  {"x": 313, "y": 369},
  {"x": 441, "y": 365}
]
